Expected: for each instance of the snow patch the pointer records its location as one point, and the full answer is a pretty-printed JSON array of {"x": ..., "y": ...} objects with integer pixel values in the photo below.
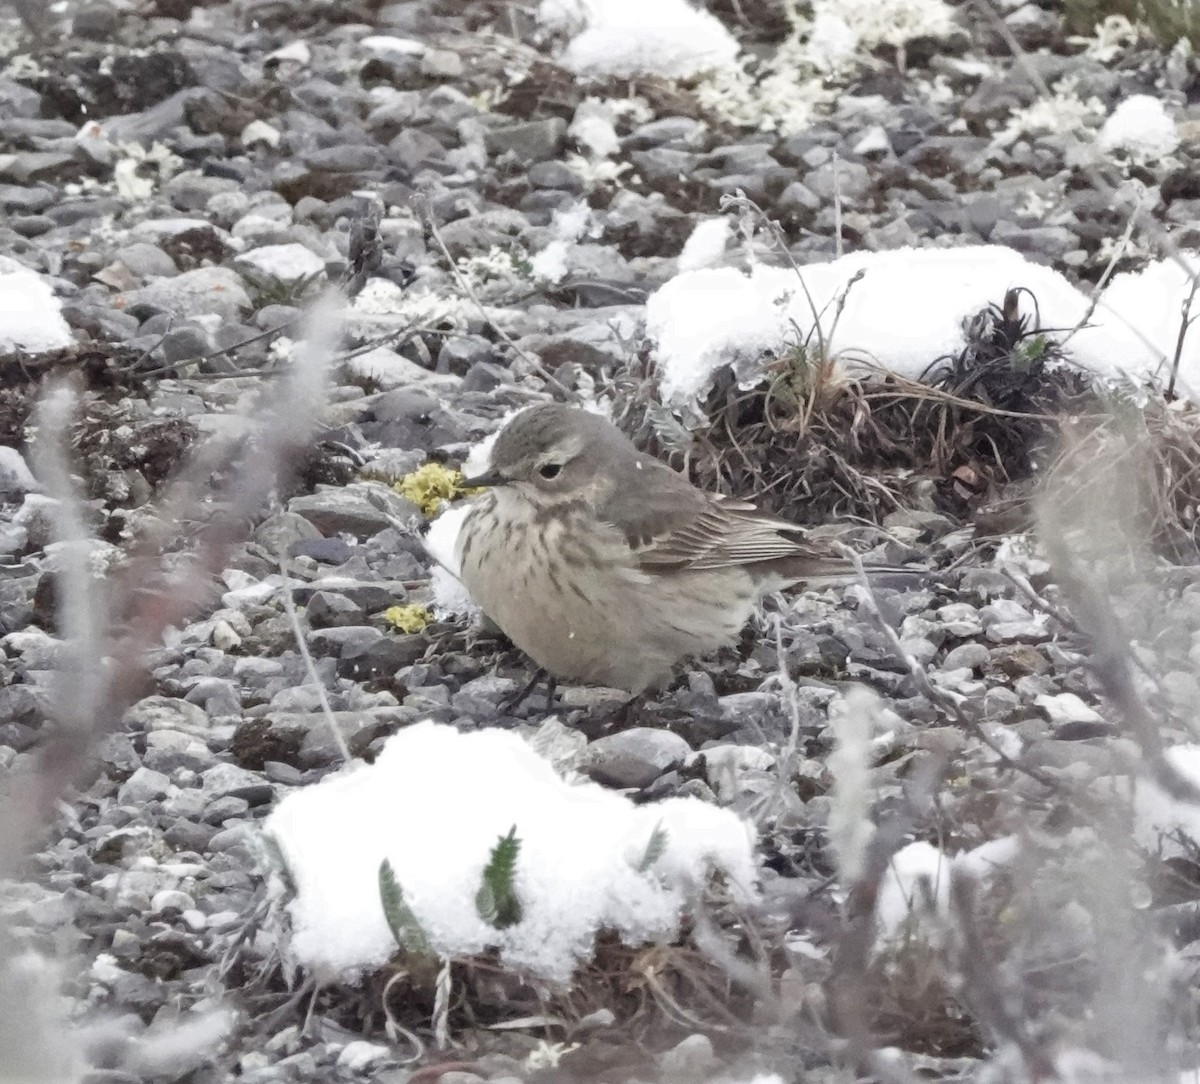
[
  {"x": 706, "y": 244},
  {"x": 622, "y": 38},
  {"x": 1141, "y": 128},
  {"x": 903, "y": 309},
  {"x": 577, "y": 871},
  {"x": 30, "y": 315}
]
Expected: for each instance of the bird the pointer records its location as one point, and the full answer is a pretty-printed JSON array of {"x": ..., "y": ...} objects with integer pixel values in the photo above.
[{"x": 606, "y": 566}]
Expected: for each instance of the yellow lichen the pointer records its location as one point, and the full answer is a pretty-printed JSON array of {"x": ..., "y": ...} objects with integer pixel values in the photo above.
[
  {"x": 412, "y": 617},
  {"x": 432, "y": 485}
]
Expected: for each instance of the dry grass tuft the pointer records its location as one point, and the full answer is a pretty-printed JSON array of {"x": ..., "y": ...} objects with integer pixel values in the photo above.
[{"x": 817, "y": 442}]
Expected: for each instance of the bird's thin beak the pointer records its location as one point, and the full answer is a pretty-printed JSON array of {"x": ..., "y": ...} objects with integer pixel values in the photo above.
[{"x": 491, "y": 478}]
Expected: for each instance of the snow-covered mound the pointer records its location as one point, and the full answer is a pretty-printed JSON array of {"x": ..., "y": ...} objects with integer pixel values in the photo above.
[
  {"x": 622, "y": 38},
  {"x": 901, "y": 310},
  {"x": 435, "y": 803},
  {"x": 30, "y": 315}
]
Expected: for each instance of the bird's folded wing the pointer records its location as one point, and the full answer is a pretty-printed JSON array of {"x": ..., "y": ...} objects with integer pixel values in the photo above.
[{"x": 713, "y": 533}]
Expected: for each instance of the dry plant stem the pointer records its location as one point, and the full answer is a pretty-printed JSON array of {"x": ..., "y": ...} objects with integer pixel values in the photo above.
[
  {"x": 931, "y": 692},
  {"x": 1121, "y": 248},
  {"x": 82, "y": 611},
  {"x": 441, "y": 1007},
  {"x": 1185, "y": 322},
  {"x": 838, "y": 242},
  {"x": 145, "y": 597},
  {"x": 465, "y": 286},
  {"x": 753, "y": 977},
  {"x": 848, "y": 984},
  {"x": 1110, "y": 662},
  {"x": 979, "y": 972},
  {"x": 289, "y": 606},
  {"x": 397, "y": 1030}
]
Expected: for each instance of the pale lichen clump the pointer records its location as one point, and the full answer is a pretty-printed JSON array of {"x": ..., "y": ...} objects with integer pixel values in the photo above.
[
  {"x": 786, "y": 90},
  {"x": 411, "y": 617},
  {"x": 431, "y": 486}
]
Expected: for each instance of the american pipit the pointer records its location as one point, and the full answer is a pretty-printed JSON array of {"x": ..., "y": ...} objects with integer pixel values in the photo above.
[{"x": 606, "y": 566}]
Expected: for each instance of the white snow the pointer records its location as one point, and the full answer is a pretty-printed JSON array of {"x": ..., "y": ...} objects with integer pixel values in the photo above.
[
  {"x": 30, "y": 315},
  {"x": 449, "y": 597},
  {"x": 442, "y": 536},
  {"x": 1141, "y": 127},
  {"x": 919, "y": 876},
  {"x": 284, "y": 263},
  {"x": 1136, "y": 327},
  {"x": 383, "y": 44},
  {"x": 1159, "y": 816},
  {"x": 706, "y": 244},
  {"x": 593, "y": 128},
  {"x": 905, "y": 310},
  {"x": 550, "y": 265},
  {"x": 434, "y": 804},
  {"x": 621, "y": 38}
]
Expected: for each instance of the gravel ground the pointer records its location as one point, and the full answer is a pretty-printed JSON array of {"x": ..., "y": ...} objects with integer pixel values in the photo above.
[{"x": 238, "y": 153}]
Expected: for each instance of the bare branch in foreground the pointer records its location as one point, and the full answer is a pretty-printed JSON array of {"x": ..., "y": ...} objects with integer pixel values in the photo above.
[{"x": 108, "y": 645}]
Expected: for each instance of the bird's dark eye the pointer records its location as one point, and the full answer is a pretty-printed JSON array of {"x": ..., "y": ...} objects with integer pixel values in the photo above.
[{"x": 550, "y": 470}]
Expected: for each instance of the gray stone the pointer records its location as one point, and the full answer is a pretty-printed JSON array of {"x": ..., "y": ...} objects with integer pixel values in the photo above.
[
  {"x": 691, "y": 1060},
  {"x": 848, "y": 179},
  {"x": 283, "y": 531},
  {"x": 441, "y": 64},
  {"x": 31, "y": 225},
  {"x": 217, "y": 696},
  {"x": 27, "y": 166},
  {"x": 529, "y": 141},
  {"x": 146, "y": 260},
  {"x": 228, "y": 780},
  {"x": 166, "y": 713},
  {"x": 18, "y": 100},
  {"x": 185, "y": 344},
  {"x": 969, "y": 656},
  {"x": 556, "y": 175},
  {"x": 18, "y": 198},
  {"x": 359, "y": 509},
  {"x": 664, "y": 163},
  {"x": 145, "y": 785},
  {"x": 681, "y": 131},
  {"x": 346, "y": 158},
  {"x": 635, "y": 757},
  {"x": 169, "y": 750},
  {"x": 216, "y": 290}
]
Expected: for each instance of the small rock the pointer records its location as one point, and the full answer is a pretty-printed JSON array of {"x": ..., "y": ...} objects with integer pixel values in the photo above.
[
  {"x": 691, "y": 1060},
  {"x": 228, "y": 780},
  {"x": 634, "y": 758},
  {"x": 145, "y": 785},
  {"x": 531, "y": 141},
  {"x": 1067, "y": 708},
  {"x": 216, "y": 290}
]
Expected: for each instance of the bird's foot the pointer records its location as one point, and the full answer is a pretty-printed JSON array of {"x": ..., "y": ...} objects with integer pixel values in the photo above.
[{"x": 510, "y": 703}]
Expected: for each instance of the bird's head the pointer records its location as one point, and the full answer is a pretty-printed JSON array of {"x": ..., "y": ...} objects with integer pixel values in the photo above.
[{"x": 553, "y": 452}]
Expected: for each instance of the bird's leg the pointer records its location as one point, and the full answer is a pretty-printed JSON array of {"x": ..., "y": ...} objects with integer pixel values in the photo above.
[{"x": 511, "y": 703}]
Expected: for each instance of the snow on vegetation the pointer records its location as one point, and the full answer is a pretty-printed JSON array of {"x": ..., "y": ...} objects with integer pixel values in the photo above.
[
  {"x": 434, "y": 804},
  {"x": 1141, "y": 128},
  {"x": 622, "y": 38},
  {"x": 919, "y": 875},
  {"x": 1162, "y": 821},
  {"x": 901, "y": 310}
]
